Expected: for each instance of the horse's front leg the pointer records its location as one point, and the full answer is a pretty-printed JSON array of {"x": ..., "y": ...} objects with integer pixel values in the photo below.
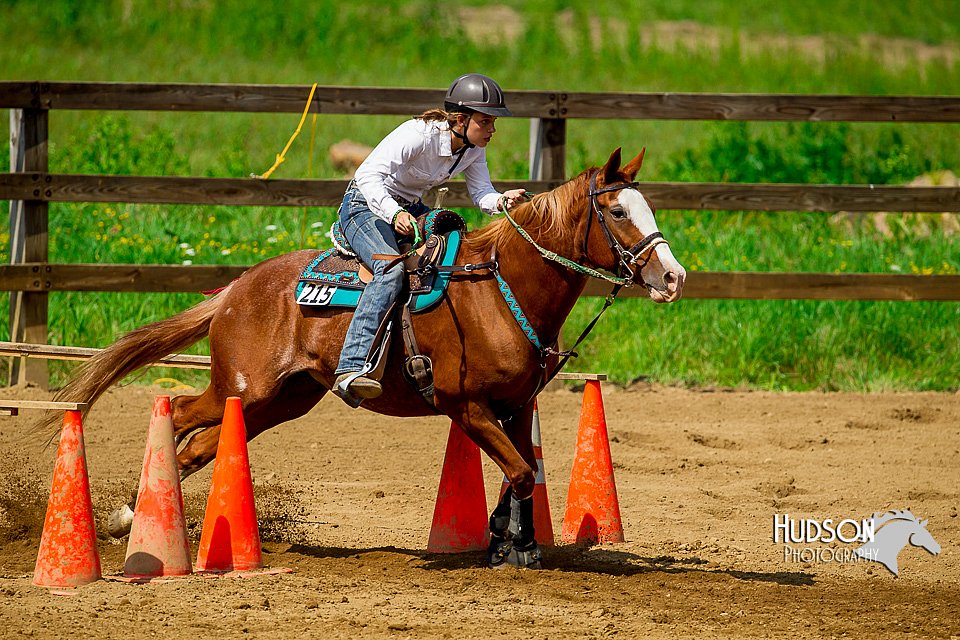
[
  {"x": 519, "y": 428},
  {"x": 481, "y": 425},
  {"x": 512, "y": 533}
]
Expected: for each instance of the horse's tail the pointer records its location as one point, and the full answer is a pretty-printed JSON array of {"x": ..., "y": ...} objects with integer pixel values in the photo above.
[{"x": 136, "y": 349}]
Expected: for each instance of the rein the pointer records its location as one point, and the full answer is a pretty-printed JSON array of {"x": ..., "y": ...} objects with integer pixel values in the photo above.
[
  {"x": 567, "y": 262},
  {"x": 626, "y": 259}
]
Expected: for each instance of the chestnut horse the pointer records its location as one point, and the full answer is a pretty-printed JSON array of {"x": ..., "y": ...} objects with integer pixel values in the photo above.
[{"x": 279, "y": 358}]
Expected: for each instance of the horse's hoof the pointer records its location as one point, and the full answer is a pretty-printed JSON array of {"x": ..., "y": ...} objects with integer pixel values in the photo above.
[
  {"x": 120, "y": 521},
  {"x": 526, "y": 558},
  {"x": 498, "y": 552},
  {"x": 504, "y": 553}
]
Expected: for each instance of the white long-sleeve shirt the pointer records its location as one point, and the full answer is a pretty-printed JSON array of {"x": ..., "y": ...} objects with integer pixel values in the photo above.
[{"x": 414, "y": 158}]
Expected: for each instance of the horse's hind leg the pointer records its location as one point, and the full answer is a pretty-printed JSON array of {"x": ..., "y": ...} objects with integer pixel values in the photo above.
[
  {"x": 202, "y": 414},
  {"x": 186, "y": 419},
  {"x": 193, "y": 413},
  {"x": 189, "y": 413},
  {"x": 295, "y": 397}
]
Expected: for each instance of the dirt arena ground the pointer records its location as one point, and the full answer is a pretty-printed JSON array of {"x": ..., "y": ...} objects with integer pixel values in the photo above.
[{"x": 346, "y": 498}]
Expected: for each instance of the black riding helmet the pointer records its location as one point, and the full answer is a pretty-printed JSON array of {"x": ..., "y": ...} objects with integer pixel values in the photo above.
[{"x": 475, "y": 92}]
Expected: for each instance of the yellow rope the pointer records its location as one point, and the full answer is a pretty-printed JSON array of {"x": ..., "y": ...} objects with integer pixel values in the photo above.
[
  {"x": 303, "y": 217},
  {"x": 313, "y": 135},
  {"x": 175, "y": 385},
  {"x": 282, "y": 155}
]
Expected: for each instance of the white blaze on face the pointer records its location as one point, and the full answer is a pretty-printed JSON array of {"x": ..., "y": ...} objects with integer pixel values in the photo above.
[{"x": 666, "y": 288}]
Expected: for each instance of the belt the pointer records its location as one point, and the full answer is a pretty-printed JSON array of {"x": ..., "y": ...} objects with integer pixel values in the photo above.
[{"x": 406, "y": 203}]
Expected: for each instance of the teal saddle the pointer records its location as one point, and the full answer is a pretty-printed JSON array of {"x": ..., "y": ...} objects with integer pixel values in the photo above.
[{"x": 336, "y": 277}]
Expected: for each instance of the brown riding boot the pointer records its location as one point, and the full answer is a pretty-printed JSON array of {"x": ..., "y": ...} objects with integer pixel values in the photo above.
[{"x": 362, "y": 387}]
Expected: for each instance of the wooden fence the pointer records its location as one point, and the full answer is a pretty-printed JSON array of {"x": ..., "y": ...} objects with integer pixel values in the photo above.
[{"x": 31, "y": 187}]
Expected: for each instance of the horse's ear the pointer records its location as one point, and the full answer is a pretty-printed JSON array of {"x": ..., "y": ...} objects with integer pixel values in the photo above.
[
  {"x": 611, "y": 170},
  {"x": 924, "y": 523},
  {"x": 632, "y": 168}
]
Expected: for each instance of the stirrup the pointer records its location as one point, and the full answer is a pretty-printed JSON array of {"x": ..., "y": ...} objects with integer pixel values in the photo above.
[
  {"x": 342, "y": 390},
  {"x": 352, "y": 401}
]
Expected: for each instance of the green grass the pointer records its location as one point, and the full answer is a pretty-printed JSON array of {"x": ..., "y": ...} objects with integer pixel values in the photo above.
[{"x": 758, "y": 344}]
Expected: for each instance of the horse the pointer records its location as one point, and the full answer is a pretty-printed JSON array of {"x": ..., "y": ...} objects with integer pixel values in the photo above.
[
  {"x": 279, "y": 357},
  {"x": 893, "y": 530}
]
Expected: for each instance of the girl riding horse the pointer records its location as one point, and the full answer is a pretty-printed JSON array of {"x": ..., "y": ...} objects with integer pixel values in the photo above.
[
  {"x": 492, "y": 338},
  {"x": 383, "y": 200}
]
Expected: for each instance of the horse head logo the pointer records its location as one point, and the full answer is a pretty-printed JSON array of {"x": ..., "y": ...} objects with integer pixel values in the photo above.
[{"x": 892, "y": 531}]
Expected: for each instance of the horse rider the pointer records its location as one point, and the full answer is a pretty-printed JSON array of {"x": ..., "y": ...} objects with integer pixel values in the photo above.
[{"x": 384, "y": 198}]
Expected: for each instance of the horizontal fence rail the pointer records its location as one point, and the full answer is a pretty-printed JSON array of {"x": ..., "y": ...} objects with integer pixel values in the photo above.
[
  {"x": 746, "y": 285},
  {"x": 723, "y": 196},
  {"x": 57, "y": 352},
  {"x": 31, "y": 186},
  {"x": 535, "y": 104},
  {"x": 144, "y": 278}
]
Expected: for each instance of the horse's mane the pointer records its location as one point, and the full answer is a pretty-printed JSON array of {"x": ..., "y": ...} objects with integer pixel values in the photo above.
[
  {"x": 880, "y": 519},
  {"x": 550, "y": 217}
]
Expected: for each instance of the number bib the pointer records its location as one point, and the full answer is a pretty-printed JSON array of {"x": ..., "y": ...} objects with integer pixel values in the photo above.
[{"x": 313, "y": 294}]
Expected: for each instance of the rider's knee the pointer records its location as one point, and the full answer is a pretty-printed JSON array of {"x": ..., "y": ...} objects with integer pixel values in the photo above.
[{"x": 392, "y": 279}]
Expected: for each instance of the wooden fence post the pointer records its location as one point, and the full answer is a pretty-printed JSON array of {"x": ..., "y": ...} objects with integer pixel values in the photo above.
[
  {"x": 548, "y": 139},
  {"x": 548, "y": 150},
  {"x": 28, "y": 242},
  {"x": 16, "y": 236},
  {"x": 536, "y": 148}
]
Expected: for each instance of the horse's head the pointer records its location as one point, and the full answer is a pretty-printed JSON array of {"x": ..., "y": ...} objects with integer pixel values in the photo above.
[
  {"x": 895, "y": 528},
  {"x": 622, "y": 234},
  {"x": 922, "y": 538}
]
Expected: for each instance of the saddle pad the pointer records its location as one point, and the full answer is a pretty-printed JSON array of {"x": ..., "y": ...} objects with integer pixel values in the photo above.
[
  {"x": 333, "y": 267},
  {"x": 332, "y": 280}
]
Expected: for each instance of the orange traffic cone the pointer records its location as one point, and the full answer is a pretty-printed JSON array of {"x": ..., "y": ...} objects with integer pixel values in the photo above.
[
  {"x": 460, "y": 516},
  {"x": 230, "y": 539},
  {"x": 158, "y": 543},
  {"x": 68, "y": 547},
  {"x": 593, "y": 511},
  {"x": 542, "y": 522}
]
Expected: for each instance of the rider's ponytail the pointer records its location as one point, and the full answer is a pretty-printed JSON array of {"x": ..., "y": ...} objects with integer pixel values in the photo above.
[{"x": 438, "y": 115}]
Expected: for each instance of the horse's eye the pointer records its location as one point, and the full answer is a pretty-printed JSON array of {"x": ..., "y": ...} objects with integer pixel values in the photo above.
[{"x": 618, "y": 213}]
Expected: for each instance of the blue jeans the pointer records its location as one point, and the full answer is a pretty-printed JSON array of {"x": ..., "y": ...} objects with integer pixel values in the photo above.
[{"x": 367, "y": 235}]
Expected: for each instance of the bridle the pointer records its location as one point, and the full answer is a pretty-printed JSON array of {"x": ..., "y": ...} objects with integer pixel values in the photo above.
[{"x": 624, "y": 258}]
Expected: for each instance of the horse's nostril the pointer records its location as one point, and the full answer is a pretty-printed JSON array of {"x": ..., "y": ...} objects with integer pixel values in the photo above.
[{"x": 669, "y": 277}]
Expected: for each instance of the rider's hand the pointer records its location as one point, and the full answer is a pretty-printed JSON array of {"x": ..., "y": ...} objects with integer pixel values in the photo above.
[
  {"x": 513, "y": 197},
  {"x": 404, "y": 222}
]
